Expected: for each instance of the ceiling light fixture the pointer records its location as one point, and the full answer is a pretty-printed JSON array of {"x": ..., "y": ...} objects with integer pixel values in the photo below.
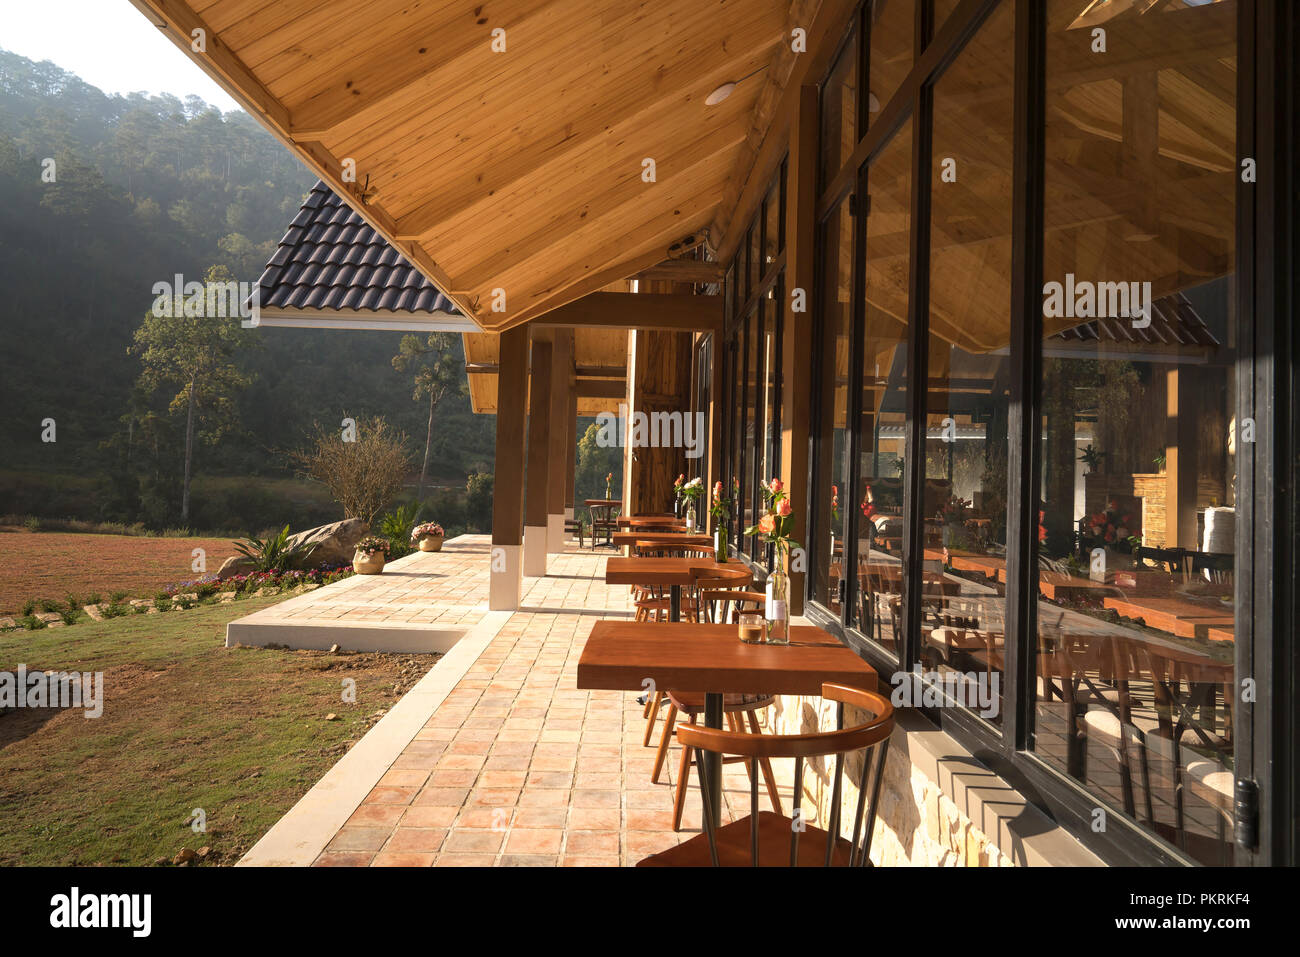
[{"x": 725, "y": 90}]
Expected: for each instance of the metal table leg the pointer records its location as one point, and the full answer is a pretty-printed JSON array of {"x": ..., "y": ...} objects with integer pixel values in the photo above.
[
  {"x": 675, "y": 603},
  {"x": 711, "y": 773}
]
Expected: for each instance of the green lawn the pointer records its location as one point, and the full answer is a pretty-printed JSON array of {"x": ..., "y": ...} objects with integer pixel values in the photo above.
[{"x": 187, "y": 723}]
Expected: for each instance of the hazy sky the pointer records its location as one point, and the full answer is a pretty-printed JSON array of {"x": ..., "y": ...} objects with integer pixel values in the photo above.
[{"x": 108, "y": 43}]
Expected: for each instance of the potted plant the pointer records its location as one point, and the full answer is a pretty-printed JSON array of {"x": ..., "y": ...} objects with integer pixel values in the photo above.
[
  {"x": 370, "y": 555},
  {"x": 774, "y": 529},
  {"x": 1113, "y": 530},
  {"x": 691, "y": 493},
  {"x": 428, "y": 537},
  {"x": 1092, "y": 458},
  {"x": 720, "y": 509}
]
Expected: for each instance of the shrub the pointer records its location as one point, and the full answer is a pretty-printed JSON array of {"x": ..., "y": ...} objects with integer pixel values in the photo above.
[
  {"x": 29, "y": 606},
  {"x": 117, "y": 596},
  {"x": 48, "y": 605},
  {"x": 396, "y": 527},
  {"x": 363, "y": 475},
  {"x": 32, "y": 623},
  {"x": 115, "y": 610},
  {"x": 70, "y": 616},
  {"x": 32, "y": 523}
]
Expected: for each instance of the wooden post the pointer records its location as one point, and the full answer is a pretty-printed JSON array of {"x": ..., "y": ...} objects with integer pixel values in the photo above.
[
  {"x": 562, "y": 387},
  {"x": 571, "y": 454},
  {"x": 539, "y": 416},
  {"x": 508, "y": 485},
  {"x": 1180, "y": 460},
  {"x": 797, "y": 352}
]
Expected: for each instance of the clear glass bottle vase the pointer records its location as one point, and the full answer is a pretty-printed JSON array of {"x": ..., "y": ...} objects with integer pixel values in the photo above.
[{"x": 778, "y": 602}]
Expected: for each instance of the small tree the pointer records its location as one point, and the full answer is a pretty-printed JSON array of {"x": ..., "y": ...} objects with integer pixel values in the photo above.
[
  {"x": 365, "y": 474},
  {"x": 195, "y": 352},
  {"x": 438, "y": 374}
]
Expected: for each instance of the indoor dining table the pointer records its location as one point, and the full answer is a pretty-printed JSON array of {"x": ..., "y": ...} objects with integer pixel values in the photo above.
[{"x": 711, "y": 659}]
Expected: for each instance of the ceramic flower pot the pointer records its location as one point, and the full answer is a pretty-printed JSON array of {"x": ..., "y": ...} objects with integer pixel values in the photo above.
[
  {"x": 371, "y": 564},
  {"x": 431, "y": 543}
]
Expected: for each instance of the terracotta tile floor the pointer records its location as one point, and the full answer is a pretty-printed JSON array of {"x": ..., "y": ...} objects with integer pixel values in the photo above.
[{"x": 517, "y": 766}]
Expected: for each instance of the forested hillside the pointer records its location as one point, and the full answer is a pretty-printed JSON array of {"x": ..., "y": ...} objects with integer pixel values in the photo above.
[{"x": 146, "y": 187}]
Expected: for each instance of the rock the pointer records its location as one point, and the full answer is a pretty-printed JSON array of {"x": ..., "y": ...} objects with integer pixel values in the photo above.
[
  {"x": 137, "y": 602},
  {"x": 95, "y": 612},
  {"x": 334, "y": 650},
  {"x": 334, "y": 543},
  {"x": 234, "y": 565},
  {"x": 57, "y": 624},
  {"x": 266, "y": 590},
  {"x": 151, "y": 610},
  {"x": 309, "y": 586},
  {"x": 49, "y": 617},
  {"x": 8, "y": 623},
  {"x": 204, "y": 851},
  {"x": 333, "y": 717},
  {"x": 227, "y": 595},
  {"x": 184, "y": 856}
]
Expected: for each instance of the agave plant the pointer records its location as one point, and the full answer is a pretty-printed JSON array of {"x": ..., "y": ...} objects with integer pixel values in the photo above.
[
  {"x": 396, "y": 527},
  {"x": 273, "y": 554}
]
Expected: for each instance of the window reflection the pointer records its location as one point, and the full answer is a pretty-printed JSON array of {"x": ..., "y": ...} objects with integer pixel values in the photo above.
[
  {"x": 878, "y": 500},
  {"x": 1136, "y": 618}
]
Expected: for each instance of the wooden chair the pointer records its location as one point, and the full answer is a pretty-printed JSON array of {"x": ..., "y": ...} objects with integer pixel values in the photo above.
[
  {"x": 771, "y": 839},
  {"x": 719, "y": 591},
  {"x": 652, "y": 603}
]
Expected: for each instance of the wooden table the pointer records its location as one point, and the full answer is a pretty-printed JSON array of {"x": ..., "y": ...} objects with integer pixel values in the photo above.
[
  {"x": 1178, "y": 616},
  {"x": 650, "y": 521},
  {"x": 685, "y": 656},
  {"x": 684, "y": 539},
  {"x": 673, "y": 572}
]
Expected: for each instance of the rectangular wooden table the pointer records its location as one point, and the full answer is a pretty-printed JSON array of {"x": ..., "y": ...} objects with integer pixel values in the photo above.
[
  {"x": 684, "y": 539},
  {"x": 672, "y": 572},
  {"x": 685, "y": 656}
]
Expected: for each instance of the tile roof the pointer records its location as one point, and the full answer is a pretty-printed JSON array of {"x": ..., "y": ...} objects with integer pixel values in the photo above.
[
  {"x": 1174, "y": 322},
  {"x": 330, "y": 258}
]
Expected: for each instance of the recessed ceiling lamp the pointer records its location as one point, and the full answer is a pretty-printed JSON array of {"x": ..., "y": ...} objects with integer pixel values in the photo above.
[{"x": 724, "y": 91}]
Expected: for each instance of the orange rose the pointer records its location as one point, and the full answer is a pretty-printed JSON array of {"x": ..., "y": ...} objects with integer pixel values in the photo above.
[{"x": 767, "y": 524}]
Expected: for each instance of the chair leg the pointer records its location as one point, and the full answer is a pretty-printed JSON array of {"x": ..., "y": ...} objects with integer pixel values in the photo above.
[
  {"x": 652, "y": 704},
  {"x": 766, "y": 767},
  {"x": 679, "y": 796},
  {"x": 670, "y": 719}
]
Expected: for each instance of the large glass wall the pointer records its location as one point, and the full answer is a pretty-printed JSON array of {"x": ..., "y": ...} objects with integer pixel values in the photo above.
[
  {"x": 964, "y": 503},
  {"x": 1139, "y": 436}
]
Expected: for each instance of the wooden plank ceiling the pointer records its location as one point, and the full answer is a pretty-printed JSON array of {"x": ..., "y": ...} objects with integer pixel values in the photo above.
[{"x": 519, "y": 170}]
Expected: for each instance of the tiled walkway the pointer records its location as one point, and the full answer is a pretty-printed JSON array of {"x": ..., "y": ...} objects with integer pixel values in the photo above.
[{"x": 517, "y": 766}]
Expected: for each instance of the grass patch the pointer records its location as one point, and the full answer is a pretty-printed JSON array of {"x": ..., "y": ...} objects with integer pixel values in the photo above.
[{"x": 187, "y": 723}]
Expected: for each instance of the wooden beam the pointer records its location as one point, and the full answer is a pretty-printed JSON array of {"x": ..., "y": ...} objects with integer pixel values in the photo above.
[
  {"x": 561, "y": 398},
  {"x": 683, "y": 270},
  {"x": 539, "y": 418},
  {"x": 602, "y": 388},
  {"x": 508, "y": 484},
  {"x": 755, "y": 169},
  {"x": 618, "y": 310}
]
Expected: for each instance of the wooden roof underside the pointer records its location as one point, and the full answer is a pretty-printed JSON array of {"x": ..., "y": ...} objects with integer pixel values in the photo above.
[{"x": 522, "y": 170}]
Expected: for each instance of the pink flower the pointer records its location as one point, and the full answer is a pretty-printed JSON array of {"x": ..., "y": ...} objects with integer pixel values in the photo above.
[
  {"x": 767, "y": 524},
  {"x": 776, "y": 485},
  {"x": 783, "y": 507}
]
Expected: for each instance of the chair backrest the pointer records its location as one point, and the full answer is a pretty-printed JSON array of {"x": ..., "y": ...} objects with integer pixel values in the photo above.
[
  {"x": 871, "y": 738},
  {"x": 716, "y": 602}
]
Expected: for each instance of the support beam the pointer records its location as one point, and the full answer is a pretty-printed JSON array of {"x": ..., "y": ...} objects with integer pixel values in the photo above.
[
  {"x": 683, "y": 270},
  {"x": 561, "y": 398},
  {"x": 539, "y": 417},
  {"x": 797, "y": 332},
  {"x": 619, "y": 310},
  {"x": 571, "y": 456},
  {"x": 508, "y": 486}
]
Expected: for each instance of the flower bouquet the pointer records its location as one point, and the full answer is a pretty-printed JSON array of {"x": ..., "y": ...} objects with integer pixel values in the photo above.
[
  {"x": 428, "y": 536},
  {"x": 774, "y": 529},
  {"x": 692, "y": 491},
  {"x": 720, "y": 510},
  {"x": 370, "y": 555}
]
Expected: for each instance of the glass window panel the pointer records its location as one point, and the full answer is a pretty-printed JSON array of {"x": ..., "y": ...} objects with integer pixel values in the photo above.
[
  {"x": 964, "y": 505},
  {"x": 755, "y": 258},
  {"x": 879, "y": 498},
  {"x": 772, "y": 243},
  {"x": 753, "y": 426},
  {"x": 1139, "y": 447},
  {"x": 833, "y": 372},
  {"x": 839, "y": 111},
  {"x": 893, "y": 26}
]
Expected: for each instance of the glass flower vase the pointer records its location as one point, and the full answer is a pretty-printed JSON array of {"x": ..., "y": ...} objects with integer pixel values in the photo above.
[
  {"x": 778, "y": 604},
  {"x": 720, "y": 542},
  {"x": 690, "y": 518}
]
